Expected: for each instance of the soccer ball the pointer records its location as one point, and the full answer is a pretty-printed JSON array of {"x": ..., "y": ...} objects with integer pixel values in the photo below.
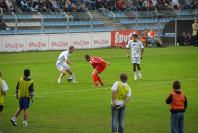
[{"x": 69, "y": 79}]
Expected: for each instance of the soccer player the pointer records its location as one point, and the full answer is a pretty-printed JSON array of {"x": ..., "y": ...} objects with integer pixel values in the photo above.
[
  {"x": 121, "y": 94},
  {"x": 137, "y": 50},
  {"x": 24, "y": 93},
  {"x": 99, "y": 66},
  {"x": 62, "y": 64},
  {"x": 3, "y": 90},
  {"x": 178, "y": 104}
]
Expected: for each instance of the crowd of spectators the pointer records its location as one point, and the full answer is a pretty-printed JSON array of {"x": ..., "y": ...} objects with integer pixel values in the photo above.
[
  {"x": 15, "y": 6},
  {"x": 146, "y": 5}
]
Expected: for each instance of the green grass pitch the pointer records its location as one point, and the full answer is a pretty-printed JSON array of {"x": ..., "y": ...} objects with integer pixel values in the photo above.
[{"x": 81, "y": 108}]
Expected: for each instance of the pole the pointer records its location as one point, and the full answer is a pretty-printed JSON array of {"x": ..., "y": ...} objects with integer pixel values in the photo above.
[{"x": 175, "y": 31}]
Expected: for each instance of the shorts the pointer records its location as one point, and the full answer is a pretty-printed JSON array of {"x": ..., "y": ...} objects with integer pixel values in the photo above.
[
  {"x": 62, "y": 66},
  {"x": 24, "y": 103},
  {"x": 136, "y": 60},
  {"x": 101, "y": 68},
  {"x": 1, "y": 108}
]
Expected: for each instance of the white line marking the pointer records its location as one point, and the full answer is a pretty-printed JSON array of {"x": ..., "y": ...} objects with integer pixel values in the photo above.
[{"x": 104, "y": 88}]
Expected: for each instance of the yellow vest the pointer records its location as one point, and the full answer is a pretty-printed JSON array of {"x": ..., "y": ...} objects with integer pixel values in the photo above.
[
  {"x": 121, "y": 92},
  {"x": 23, "y": 87},
  {"x": 1, "y": 94}
]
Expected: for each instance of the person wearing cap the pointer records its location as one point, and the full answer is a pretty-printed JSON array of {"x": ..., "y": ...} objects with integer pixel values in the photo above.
[
  {"x": 137, "y": 50},
  {"x": 178, "y": 104},
  {"x": 62, "y": 65}
]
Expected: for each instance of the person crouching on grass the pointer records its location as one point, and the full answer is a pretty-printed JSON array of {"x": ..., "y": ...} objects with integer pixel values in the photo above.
[
  {"x": 24, "y": 92},
  {"x": 121, "y": 93},
  {"x": 178, "y": 105}
]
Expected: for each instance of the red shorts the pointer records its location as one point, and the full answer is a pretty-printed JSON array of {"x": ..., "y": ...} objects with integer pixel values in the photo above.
[{"x": 101, "y": 68}]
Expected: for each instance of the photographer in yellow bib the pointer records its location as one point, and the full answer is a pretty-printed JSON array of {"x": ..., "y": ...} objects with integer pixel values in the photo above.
[{"x": 121, "y": 93}]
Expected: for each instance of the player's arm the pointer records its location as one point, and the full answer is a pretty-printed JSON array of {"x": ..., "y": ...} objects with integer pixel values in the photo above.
[
  {"x": 68, "y": 62},
  {"x": 4, "y": 88},
  {"x": 17, "y": 88},
  {"x": 127, "y": 49},
  {"x": 114, "y": 89},
  {"x": 142, "y": 52},
  {"x": 31, "y": 92},
  {"x": 169, "y": 99},
  {"x": 113, "y": 98},
  {"x": 128, "y": 96}
]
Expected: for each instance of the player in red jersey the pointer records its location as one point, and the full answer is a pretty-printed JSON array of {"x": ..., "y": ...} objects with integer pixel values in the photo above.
[{"x": 99, "y": 66}]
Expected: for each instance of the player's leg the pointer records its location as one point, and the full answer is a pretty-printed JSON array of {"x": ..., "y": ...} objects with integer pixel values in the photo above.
[
  {"x": 100, "y": 69},
  {"x": 25, "y": 117},
  {"x": 114, "y": 119},
  {"x": 134, "y": 62},
  {"x": 121, "y": 115},
  {"x": 139, "y": 71},
  {"x": 95, "y": 77},
  {"x": 138, "y": 60},
  {"x": 134, "y": 71},
  {"x": 71, "y": 75},
  {"x": 13, "y": 120},
  {"x": 60, "y": 67},
  {"x": 25, "y": 111}
]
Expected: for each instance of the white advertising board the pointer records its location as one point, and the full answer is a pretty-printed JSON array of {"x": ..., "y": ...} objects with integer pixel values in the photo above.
[{"x": 17, "y": 43}]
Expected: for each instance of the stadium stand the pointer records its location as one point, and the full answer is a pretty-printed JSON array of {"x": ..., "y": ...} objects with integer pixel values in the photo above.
[{"x": 62, "y": 16}]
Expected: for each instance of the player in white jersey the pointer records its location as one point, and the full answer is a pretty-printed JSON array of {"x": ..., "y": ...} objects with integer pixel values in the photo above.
[
  {"x": 137, "y": 50},
  {"x": 62, "y": 64}
]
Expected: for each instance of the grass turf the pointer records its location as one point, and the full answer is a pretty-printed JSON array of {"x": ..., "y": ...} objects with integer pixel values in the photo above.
[{"x": 80, "y": 108}]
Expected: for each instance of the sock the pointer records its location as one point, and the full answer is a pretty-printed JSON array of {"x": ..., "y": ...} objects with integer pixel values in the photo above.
[
  {"x": 139, "y": 73},
  {"x": 95, "y": 79},
  {"x": 14, "y": 118},
  {"x": 135, "y": 75},
  {"x": 98, "y": 78},
  {"x": 73, "y": 78},
  {"x": 61, "y": 76}
]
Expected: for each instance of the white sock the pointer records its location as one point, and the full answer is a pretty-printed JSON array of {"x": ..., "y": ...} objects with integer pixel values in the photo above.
[
  {"x": 61, "y": 76},
  {"x": 14, "y": 118},
  {"x": 140, "y": 74},
  {"x": 73, "y": 77},
  {"x": 135, "y": 76}
]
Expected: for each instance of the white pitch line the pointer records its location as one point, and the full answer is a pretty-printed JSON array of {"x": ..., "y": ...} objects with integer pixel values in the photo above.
[{"x": 104, "y": 88}]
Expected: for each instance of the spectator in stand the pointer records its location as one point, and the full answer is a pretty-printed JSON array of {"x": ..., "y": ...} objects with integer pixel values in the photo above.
[
  {"x": 67, "y": 6},
  {"x": 194, "y": 4},
  {"x": 131, "y": 6},
  {"x": 120, "y": 5},
  {"x": 99, "y": 4},
  {"x": 55, "y": 6},
  {"x": 24, "y": 5},
  {"x": 9, "y": 5},
  {"x": 184, "y": 40},
  {"x": 74, "y": 8},
  {"x": 3, "y": 25},
  {"x": 81, "y": 8},
  {"x": 151, "y": 38},
  {"x": 144, "y": 35},
  {"x": 3, "y": 6},
  {"x": 42, "y": 7},
  {"x": 195, "y": 33},
  {"x": 175, "y": 5}
]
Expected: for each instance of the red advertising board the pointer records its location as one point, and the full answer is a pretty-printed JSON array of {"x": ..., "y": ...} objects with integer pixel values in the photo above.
[{"x": 121, "y": 37}]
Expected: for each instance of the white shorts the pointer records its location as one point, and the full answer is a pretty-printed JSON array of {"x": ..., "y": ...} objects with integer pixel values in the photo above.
[
  {"x": 62, "y": 66},
  {"x": 136, "y": 60}
]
